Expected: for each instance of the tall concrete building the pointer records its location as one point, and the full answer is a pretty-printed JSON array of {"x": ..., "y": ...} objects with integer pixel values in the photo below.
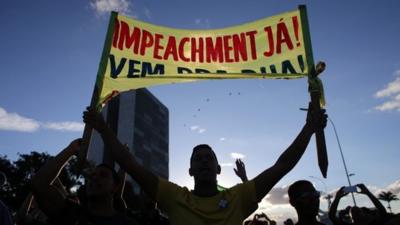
[{"x": 141, "y": 122}]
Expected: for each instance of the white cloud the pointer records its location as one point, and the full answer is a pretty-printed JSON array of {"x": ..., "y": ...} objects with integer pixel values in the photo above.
[
  {"x": 389, "y": 105},
  {"x": 278, "y": 196},
  {"x": 15, "y": 122},
  {"x": 202, "y": 22},
  {"x": 392, "y": 94},
  {"x": 391, "y": 88},
  {"x": 147, "y": 13},
  {"x": 201, "y": 130},
  {"x": 64, "y": 126},
  {"x": 236, "y": 155},
  {"x": 393, "y": 187},
  {"x": 195, "y": 127},
  {"x": 222, "y": 139},
  {"x": 103, "y": 7},
  {"x": 226, "y": 164}
]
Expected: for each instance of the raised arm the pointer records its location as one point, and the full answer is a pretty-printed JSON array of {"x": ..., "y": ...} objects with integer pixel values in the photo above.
[
  {"x": 289, "y": 158},
  {"x": 333, "y": 209},
  {"x": 50, "y": 199},
  {"x": 378, "y": 205},
  {"x": 23, "y": 210},
  {"x": 240, "y": 170},
  {"x": 146, "y": 179}
]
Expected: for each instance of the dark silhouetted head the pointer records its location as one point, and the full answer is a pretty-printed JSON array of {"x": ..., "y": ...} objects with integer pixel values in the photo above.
[
  {"x": 204, "y": 164},
  {"x": 103, "y": 180},
  {"x": 304, "y": 198}
]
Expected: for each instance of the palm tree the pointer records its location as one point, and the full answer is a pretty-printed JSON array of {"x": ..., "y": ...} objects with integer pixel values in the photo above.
[{"x": 388, "y": 197}]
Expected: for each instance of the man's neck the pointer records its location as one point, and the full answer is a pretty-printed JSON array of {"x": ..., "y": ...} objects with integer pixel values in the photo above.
[
  {"x": 307, "y": 220},
  {"x": 205, "y": 189},
  {"x": 101, "y": 206}
]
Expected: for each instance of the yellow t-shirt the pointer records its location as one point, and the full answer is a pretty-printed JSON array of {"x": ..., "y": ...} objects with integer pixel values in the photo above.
[{"x": 228, "y": 207}]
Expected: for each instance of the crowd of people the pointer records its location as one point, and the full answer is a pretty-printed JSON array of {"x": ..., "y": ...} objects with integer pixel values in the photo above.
[{"x": 104, "y": 198}]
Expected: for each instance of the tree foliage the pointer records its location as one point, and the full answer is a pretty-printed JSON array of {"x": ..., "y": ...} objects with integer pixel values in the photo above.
[
  {"x": 387, "y": 197},
  {"x": 20, "y": 172}
]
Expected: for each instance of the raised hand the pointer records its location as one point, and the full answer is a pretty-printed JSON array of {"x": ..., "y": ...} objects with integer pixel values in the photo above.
[
  {"x": 94, "y": 119},
  {"x": 316, "y": 119},
  {"x": 363, "y": 188},
  {"x": 240, "y": 170}
]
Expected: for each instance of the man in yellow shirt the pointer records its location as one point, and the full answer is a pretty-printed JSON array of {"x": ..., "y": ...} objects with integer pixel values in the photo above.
[{"x": 205, "y": 205}]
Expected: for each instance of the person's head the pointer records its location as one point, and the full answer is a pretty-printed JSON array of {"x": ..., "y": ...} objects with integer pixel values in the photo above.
[
  {"x": 204, "y": 164},
  {"x": 344, "y": 215},
  {"x": 356, "y": 213},
  {"x": 288, "y": 222},
  {"x": 304, "y": 198},
  {"x": 359, "y": 216},
  {"x": 102, "y": 181}
]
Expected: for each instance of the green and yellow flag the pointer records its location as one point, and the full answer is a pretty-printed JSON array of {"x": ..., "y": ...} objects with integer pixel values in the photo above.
[{"x": 138, "y": 54}]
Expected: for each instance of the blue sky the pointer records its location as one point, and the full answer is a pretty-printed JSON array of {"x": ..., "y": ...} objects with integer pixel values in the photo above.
[{"x": 50, "y": 52}]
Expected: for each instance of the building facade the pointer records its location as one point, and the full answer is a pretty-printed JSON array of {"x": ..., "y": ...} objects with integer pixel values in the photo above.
[{"x": 141, "y": 122}]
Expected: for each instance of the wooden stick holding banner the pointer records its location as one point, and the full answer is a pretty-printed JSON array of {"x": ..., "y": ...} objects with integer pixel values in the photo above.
[
  {"x": 320, "y": 135},
  {"x": 315, "y": 92},
  {"x": 87, "y": 132}
]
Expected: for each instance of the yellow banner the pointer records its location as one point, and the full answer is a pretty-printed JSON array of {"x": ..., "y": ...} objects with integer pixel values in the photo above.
[{"x": 139, "y": 54}]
